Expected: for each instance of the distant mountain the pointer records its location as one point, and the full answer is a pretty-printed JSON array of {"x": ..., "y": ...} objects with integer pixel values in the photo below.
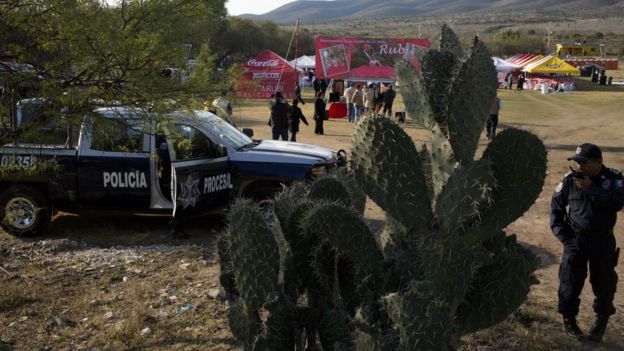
[{"x": 315, "y": 10}]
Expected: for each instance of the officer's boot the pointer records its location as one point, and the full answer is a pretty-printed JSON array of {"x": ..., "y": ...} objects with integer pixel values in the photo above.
[
  {"x": 598, "y": 329},
  {"x": 570, "y": 327}
]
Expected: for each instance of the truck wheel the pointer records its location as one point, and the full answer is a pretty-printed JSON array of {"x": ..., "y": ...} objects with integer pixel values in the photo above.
[{"x": 24, "y": 211}]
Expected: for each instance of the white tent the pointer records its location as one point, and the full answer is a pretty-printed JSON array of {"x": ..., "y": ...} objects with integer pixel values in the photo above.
[
  {"x": 304, "y": 62},
  {"x": 504, "y": 66}
]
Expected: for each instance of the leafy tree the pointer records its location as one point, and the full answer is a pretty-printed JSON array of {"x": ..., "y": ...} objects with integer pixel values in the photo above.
[
  {"x": 598, "y": 35},
  {"x": 85, "y": 51},
  {"x": 243, "y": 38},
  {"x": 507, "y": 34},
  {"x": 510, "y": 41}
]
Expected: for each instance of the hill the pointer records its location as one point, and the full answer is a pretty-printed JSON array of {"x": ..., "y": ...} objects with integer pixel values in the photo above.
[{"x": 315, "y": 10}]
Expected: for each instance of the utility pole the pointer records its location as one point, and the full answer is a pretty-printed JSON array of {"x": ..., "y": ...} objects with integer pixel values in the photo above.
[{"x": 548, "y": 38}]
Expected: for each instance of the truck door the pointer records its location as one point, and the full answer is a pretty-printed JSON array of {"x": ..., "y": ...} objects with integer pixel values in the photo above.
[
  {"x": 201, "y": 176},
  {"x": 114, "y": 165}
]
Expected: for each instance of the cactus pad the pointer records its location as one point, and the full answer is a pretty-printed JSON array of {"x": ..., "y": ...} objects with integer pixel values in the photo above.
[
  {"x": 471, "y": 96},
  {"x": 254, "y": 254},
  {"x": 388, "y": 168}
]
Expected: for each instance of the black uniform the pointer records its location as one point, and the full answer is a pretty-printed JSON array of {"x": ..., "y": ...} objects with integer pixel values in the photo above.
[
  {"x": 586, "y": 231},
  {"x": 297, "y": 94},
  {"x": 295, "y": 116},
  {"x": 279, "y": 120},
  {"x": 319, "y": 115}
]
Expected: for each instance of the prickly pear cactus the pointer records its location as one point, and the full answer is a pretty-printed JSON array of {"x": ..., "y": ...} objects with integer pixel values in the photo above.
[
  {"x": 442, "y": 267},
  {"x": 472, "y": 275},
  {"x": 267, "y": 273}
]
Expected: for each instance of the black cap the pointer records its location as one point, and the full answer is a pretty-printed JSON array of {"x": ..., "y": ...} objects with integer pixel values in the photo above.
[
  {"x": 278, "y": 94},
  {"x": 586, "y": 152}
]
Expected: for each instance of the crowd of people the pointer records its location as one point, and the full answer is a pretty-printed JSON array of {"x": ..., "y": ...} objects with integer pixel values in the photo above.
[
  {"x": 360, "y": 100},
  {"x": 285, "y": 118},
  {"x": 510, "y": 79},
  {"x": 371, "y": 99}
]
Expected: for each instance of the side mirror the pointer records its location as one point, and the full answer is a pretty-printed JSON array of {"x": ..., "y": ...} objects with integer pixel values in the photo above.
[
  {"x": 248, "y": 132},
  {"x": 341, "y": 158}
]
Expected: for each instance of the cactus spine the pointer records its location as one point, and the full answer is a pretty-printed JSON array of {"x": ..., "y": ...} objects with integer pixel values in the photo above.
[{"x": 443, "y": 265}]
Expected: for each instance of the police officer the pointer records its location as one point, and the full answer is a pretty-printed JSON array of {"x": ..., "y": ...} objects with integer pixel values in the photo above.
[
  {"x": 279, "y": 117},
  {"x": 593, "y": 195}
]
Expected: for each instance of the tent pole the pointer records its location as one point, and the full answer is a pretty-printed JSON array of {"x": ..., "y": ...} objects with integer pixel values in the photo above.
[{"x": 295, "y": 31}]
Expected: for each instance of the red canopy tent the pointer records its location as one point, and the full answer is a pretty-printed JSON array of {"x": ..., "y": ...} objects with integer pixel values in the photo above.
[
  {"x": 265, "y": 74},
  {"x": 373, "y": 73}
]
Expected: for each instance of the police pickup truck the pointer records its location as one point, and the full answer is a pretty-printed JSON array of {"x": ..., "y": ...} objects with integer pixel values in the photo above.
[{"x": 120, "y": 160}]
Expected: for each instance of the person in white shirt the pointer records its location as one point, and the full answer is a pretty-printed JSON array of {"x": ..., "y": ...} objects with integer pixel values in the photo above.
[
  {"x": 348, "y": 94},
  {"x": 369, "y": 98}
]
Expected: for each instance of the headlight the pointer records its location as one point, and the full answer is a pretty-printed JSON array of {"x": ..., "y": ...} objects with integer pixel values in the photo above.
[{"x": 318, "y": 171}]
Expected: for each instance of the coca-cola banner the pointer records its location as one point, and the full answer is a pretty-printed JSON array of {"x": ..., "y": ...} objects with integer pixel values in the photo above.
[
  {"x": 265, "y": 74},
  {"x": 364, "y": 58}
]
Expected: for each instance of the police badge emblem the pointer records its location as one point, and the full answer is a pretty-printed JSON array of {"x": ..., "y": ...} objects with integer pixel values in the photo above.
[
  {"x": 606, "y": 184},
  {"x": 189, "y": 191}
]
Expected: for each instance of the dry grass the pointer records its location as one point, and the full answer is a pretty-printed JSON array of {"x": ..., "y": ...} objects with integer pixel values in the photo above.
[{"x": 14, "y": 296}]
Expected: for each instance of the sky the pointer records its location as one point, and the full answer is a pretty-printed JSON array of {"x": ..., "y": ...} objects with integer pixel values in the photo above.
[{"x": 257, "y": 7}]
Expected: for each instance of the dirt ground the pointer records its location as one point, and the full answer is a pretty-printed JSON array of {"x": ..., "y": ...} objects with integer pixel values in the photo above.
[{"x": 98, "y": 282}]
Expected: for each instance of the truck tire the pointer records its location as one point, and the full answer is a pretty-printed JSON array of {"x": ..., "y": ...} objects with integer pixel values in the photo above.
[{"x": 24, "y": 211}]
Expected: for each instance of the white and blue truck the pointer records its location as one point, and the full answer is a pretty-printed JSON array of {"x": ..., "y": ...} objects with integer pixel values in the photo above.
[{"x": 118, "y": 159}]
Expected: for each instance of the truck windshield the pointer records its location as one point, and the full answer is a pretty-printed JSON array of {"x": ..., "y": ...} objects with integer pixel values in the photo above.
[{"x": 228, "y": 134}]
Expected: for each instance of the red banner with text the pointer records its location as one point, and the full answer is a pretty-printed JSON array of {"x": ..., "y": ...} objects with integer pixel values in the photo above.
[
  {"x": 265, "y": 74},
  {"x": 364, "y": 59}
]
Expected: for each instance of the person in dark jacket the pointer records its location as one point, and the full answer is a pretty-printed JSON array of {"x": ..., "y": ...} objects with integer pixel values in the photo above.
[
  {"x": 295, "y": 116},
  {"x": 279, "y": 118},
  {"x": 297, "y": 93},
  {"x": 323, "y": 85},
  {"x": 593, "y": 195},
  {"x": 319, "y": 113},
  {"x": 520, "y": 85},
  {"x": 317, "y": 86},
  {"x": 379, "y": 100},
  {"x": 388, "y": 100}
]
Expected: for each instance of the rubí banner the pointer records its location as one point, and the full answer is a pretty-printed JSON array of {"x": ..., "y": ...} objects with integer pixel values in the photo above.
[
  {"x": 265, "y": 74},
  {"x": 364, "y": 58}
]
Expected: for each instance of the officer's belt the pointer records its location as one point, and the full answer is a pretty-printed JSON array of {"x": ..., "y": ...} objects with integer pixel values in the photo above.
[{"x": 589, "y": 232}]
